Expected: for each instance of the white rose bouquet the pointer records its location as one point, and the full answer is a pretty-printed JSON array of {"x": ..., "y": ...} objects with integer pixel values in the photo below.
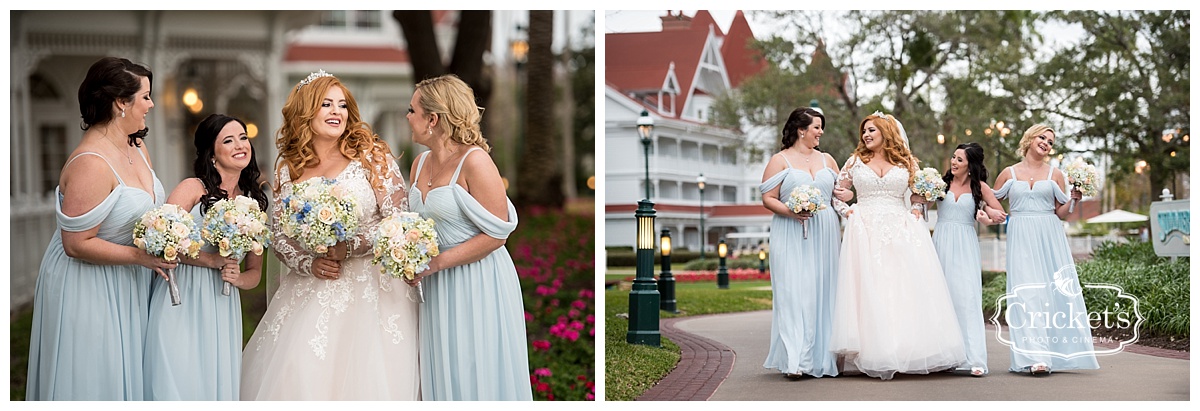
[
  {"x": 1083, "y": 176},
  {"x": 806, "y": 199},
  {"x": 236, "y": 227},
  {"x": 318, "y": 213},
  {"x": 404, "y": 245},
  {"x": 166, "y": 232}
]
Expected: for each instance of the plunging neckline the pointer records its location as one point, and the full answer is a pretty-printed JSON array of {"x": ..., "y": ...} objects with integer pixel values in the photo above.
[{"x": 879, "y": 176}]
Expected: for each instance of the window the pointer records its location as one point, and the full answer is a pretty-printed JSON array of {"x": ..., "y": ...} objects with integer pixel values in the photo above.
[
  {"x": 360, "y": 20},
  {"x": 53, "y": 144}
]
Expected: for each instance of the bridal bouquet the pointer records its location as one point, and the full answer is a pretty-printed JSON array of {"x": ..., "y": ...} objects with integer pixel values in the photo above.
[
  {"x": 404, "y": 245},
  {"x": 319, "y": 212},
  {"x": 929, "y": 184},
  {"x": 1083, "y": 176},
  {"x": 236, "y": 227},
  {"x": 805, "y": 199},
  {"x": 166, "y": 232}
]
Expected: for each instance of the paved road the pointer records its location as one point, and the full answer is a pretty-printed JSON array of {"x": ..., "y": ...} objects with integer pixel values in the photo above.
[{"x": 1124, "y": 376}]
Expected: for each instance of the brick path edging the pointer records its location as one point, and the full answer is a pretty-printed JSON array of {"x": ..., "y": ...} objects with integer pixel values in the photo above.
[{"x": 703, "y": 365}]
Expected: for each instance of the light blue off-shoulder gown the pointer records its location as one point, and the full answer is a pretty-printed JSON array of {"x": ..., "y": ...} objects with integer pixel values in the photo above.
[
  {"x": 957, "y": 245},
  {"x": 472, "y": 323},
  {"x": 803, "y": 279},
  {"x": 89, "y": 320},
  {"x": 194, "y": 350},
  {"x": 1042, "y": 282}
]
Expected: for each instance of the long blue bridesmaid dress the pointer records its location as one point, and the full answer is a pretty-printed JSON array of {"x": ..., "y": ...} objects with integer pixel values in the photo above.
[
  {"x": 89, "y": 320},
  {"x": 803, "y": 279},
  {"x": 194, "y": 350},
  {"x": 472, "y": 323},
  {"x": 1042, "y": 273},
  {"x": 957, "y": 245}
]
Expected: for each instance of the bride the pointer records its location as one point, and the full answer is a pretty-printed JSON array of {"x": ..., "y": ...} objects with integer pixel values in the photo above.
[
  {"x": 892, "y": 313},
  {"x": 337, "y": 328}
]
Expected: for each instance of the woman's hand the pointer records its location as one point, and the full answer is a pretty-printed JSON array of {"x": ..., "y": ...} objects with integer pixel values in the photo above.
[
  {"x": 434, "y": 267},
  {"x": 157, "y": 264},
  {"x": 231, "y": 271},
  {"x": 804, "y": 215},
  {"x": 338, "y": 252},
  {"x": 326, "y": 269},
  {"x": 916, "y": 214},
  {"x": 996, "y": 216},
  {"x": 918, "y": 199},
  {"x": 843, "y": 193},
  {"x": 1076, "y": 194},
  {"x": 982, "y": 218}
]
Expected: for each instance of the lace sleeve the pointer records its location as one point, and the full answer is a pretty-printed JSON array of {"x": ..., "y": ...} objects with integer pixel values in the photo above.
[
  {"x": 289, "y": 251},
  {"x": 844, "y": 179},
  {"x": 391, "y": 198}
]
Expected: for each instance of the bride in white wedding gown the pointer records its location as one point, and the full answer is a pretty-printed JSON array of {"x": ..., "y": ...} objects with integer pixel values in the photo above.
[
  {"x": 892, "y": 312},
  {"x": 337, "y": 328}
]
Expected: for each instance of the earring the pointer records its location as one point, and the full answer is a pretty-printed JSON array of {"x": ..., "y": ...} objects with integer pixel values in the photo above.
[
  {"x": 430, "y": 130},
  {"x": 122, "y": 113},
  {"x": 214, "y": 161}
]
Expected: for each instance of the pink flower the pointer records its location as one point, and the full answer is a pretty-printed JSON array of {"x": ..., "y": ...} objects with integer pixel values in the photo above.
[
  {"x": 591, "y": 319},
  {"x": 586, "y": 293},
  {"x": 573, "y": 313},
  {"x": 543, "y": 372},
  {"x": 579, "y": 304},
  {"x": 541, "y": 345},
  {"x": 576, "y": 325},
  {"x": 529, "y": 317},
  {"x": 543, "y": 387}
]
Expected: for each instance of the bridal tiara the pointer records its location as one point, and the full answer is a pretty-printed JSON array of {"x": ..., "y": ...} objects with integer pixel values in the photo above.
[{"x": 320, "y": 73}]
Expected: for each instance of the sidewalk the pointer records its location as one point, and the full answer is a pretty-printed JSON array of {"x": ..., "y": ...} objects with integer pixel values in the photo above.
[{"x": 1124, "y": 376}]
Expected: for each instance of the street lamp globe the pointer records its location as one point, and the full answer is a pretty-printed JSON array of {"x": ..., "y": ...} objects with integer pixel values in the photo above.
[{"x": 645, "y": 129}]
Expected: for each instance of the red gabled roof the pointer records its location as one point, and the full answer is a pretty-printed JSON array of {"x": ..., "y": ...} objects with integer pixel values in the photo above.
[
  {"x": 639, "y": 61},
  {"x": 740, "y": 60}
]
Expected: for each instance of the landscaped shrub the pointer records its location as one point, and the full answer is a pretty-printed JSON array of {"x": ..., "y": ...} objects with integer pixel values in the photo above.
[{"x": 553, "y": 252}]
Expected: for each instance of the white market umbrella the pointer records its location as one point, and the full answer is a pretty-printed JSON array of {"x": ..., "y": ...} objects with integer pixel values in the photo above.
[{"x": 1117, "y": 216}]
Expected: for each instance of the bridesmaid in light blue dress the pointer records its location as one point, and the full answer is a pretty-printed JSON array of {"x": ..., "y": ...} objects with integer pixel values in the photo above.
[
  {"x": 1041, "y": 271},
  {"x": 472, "y": 323},
  {"x": 194, "y": 350},
  {"x": 89, "y": 307},
  {"x": 803, "y": 270},
  {"x": 957, "y": 244}
]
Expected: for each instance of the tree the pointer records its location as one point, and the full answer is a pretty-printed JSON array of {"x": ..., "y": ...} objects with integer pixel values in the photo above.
[
  {"x": 538, "y": 173},
  {"x": 941, "y": 72},
  {"x": 1123, "y": 88},
  {"x": 473, "y": 39}
]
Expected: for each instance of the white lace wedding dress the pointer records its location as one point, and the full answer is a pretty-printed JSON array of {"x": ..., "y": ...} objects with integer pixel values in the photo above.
[
  {"x": 892, "y": 312},
  {"x": 353, "y": 338}
]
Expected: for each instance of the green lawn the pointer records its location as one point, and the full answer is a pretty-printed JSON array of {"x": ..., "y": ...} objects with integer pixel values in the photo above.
[{"x": 632, "y": 369}]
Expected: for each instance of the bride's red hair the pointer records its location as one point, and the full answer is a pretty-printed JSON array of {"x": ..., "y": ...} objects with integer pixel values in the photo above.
[{"x": 893, "y": 148}]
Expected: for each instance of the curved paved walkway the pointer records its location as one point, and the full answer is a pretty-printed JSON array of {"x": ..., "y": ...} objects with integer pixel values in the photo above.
[
  {"x": 703, "y": 365},
  {"x": 708, "y": 371}
]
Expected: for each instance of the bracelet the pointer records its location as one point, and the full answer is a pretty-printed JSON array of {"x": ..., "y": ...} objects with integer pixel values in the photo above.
[{"x": 916, "y": 206}]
